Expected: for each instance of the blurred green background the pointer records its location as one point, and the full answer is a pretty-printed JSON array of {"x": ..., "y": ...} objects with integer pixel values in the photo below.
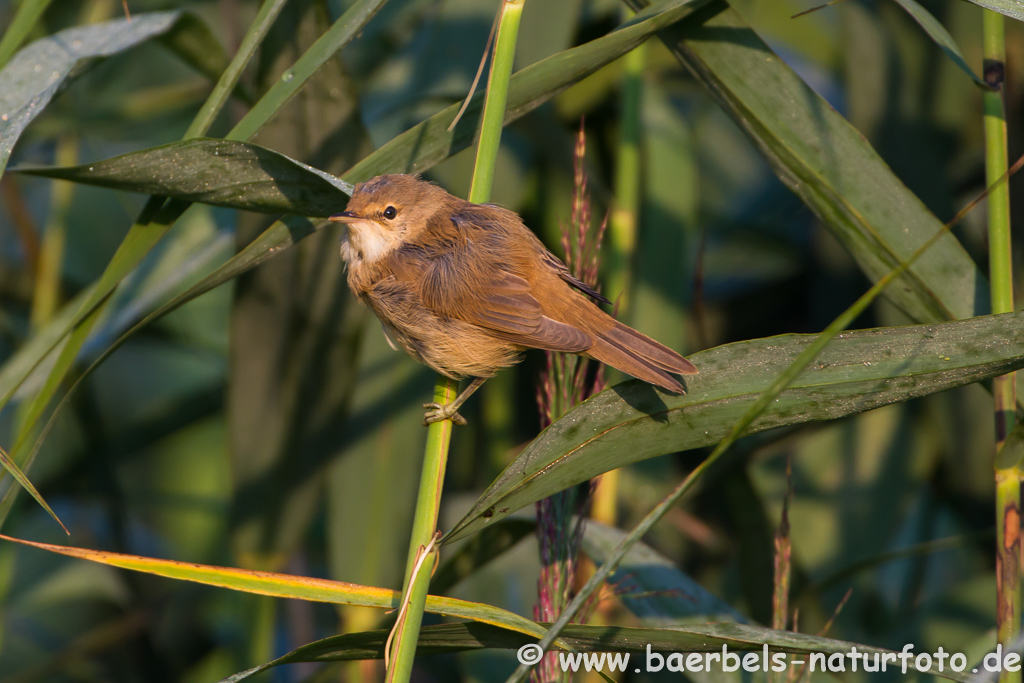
[{"x": 267, "y": 424}]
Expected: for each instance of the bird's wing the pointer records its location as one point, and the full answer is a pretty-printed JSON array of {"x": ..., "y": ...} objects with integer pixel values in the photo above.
[
  {"x": 458, "y": 285},
  {"x": 553, "y": 262}
]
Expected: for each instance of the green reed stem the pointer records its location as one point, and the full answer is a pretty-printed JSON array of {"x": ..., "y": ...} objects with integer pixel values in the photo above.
[
  {"x": 428, "y": 501},
  {"x": 46, "y": 291},
  {"x": 494, "y": 104},
  {"x": 325, "y": 48},
  {"x": 229, "y": 79},
  {"x": 1008, "y": 478},
  {"x": 623, "y": 221},
  {"x": 25, "y": 19}
]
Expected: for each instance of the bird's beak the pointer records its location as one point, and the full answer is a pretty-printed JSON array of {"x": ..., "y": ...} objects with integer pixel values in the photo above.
[{"x": 345, "y": 217}]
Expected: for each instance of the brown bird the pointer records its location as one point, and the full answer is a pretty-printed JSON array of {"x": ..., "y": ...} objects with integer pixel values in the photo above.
[{"x": 465, "y": 288}]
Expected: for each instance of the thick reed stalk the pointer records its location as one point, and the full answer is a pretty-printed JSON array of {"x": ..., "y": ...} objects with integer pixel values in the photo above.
[
  {"x": 1008, "y": 478},
  {"x": 418, "y": 567}
]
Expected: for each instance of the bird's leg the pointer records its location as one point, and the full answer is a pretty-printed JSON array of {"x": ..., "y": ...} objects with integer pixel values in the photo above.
[{"x": 449, "y": 411}]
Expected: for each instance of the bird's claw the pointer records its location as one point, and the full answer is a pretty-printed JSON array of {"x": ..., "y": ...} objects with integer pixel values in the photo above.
[{"x": 442, "y": 411}]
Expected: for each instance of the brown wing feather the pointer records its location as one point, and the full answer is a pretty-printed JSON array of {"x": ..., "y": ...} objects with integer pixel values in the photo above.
[
  {"x": 503, "y": 305},
  {"x": 553, "y": 262}
]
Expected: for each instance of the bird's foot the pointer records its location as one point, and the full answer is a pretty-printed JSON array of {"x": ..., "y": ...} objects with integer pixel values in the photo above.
[{"x": 442, "y": 411}]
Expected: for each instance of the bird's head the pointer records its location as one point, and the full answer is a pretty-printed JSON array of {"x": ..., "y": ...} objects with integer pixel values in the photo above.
[{"x": 386, "y": 211}]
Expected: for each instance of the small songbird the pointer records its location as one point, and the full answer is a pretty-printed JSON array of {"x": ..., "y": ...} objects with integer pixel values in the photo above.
[{"x": 465, "y": 288}]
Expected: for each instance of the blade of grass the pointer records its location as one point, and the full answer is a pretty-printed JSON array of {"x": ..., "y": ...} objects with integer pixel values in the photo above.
[
  {"x": 290, "y": 586},
  {"x": 24, "y": 21},
  {"x": 764, "y": 400},
  {"x": 430, "y": 142},
  {"x": 829, "y": 165},
  {"x": 327, "y": 46},
  {"x": 23, "y": 481},
  {"x": 228, "y": 81},
  {"x": 938, "y": 33},
  {"x": 428, "y": 501}
]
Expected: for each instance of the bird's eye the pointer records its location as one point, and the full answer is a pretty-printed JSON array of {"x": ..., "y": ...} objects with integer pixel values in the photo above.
[{"x": 390, "y": 212}]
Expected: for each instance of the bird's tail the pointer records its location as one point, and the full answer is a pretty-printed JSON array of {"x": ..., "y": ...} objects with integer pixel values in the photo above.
[{"x": 634, "y": 353}]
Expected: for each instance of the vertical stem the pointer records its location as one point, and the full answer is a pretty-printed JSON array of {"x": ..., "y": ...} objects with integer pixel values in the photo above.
[
  {"x": 623, "y": 221},
  {"x": 428, "y": 503},
  {"x": 1008, "y": 480},
  {"x": 494, "y": 104},
  {"x": 622, "y": 229},
  {"x": 46, "y": 293},
  {"x": 428, "y": 500}
]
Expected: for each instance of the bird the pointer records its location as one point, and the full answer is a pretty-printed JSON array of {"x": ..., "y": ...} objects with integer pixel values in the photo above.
[{"x": 466, "y": 288}]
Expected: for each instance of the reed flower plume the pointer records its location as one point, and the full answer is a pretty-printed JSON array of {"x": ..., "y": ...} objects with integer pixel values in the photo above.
[{"x": 567, "y": 379}]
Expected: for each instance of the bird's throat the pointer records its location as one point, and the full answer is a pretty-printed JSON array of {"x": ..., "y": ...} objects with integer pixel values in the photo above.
[{"x": 367, "y": 242}]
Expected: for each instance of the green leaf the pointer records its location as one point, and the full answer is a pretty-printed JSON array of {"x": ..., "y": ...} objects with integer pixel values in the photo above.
[
  {"x": 447, "y": 638},
  {"x": 1011, "y": 8},
  {"x": 348, "y": 26},
  {"x": 290, "y": 586},
  {"x": 858, "y": 371},
  {"x": 22, "y": 480},
  {"x": 940, "y": 35},
  {"x": 236, "y": 175},
  {"x": 36, "y": 73},
  {"x": 828, "y": 164}
]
